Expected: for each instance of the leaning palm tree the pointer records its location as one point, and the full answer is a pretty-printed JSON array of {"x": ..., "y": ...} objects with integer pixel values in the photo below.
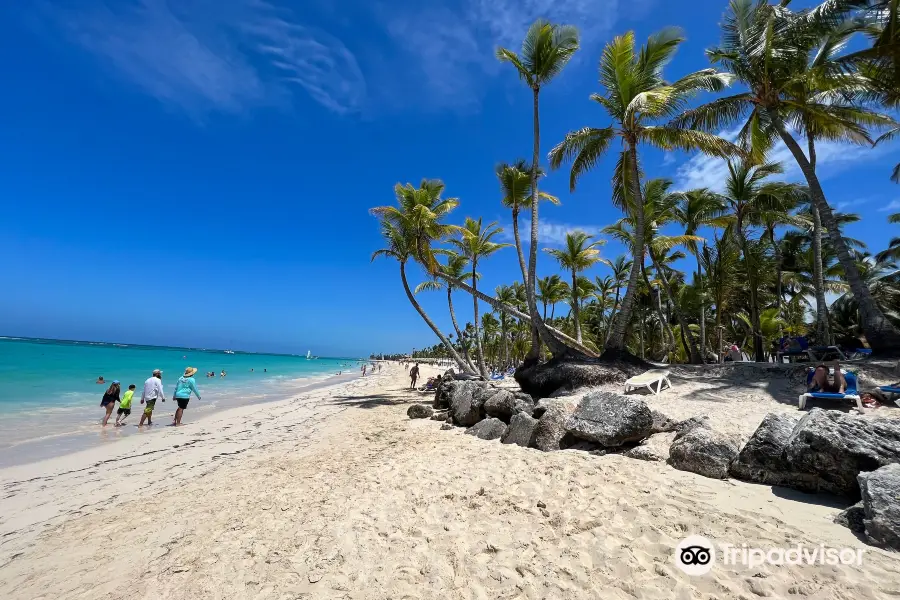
[
  {"x": 400, "y": 244},
  {"x": 474, "y": 242},
  {"x": 635, "y": 96},
  {"x": 546, "y": 50},
  {"x": 700, "y": 207},
  {"x": 578, "y": 255},
  {"x": 767, "y": 48}
]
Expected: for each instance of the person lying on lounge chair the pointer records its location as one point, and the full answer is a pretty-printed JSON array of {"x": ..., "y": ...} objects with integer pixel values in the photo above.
[{"x": 820, "y": 383}]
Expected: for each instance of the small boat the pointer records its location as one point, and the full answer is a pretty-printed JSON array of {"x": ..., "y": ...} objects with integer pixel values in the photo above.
[
  {"x": 229, "y": 352},
  {"x": 308, "y": 355}
]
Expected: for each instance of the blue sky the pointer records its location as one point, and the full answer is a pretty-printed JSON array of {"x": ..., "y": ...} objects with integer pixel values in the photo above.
[{"x": 199, "y": 172}]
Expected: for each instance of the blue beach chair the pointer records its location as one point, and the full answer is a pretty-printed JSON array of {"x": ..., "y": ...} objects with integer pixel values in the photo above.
[
  {"x": 892, "y": 392},
  {"x": 850, "y": 394}
]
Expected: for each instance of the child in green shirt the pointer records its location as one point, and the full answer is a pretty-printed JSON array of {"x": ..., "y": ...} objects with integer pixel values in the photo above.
[{"x": 125, "y": 406}]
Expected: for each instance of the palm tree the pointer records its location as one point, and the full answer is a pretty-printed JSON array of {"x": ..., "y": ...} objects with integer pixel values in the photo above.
[
  {"x": 551, "y": 291},
  {"x": 635, "y": 95},
  {"x": 604, "y": 286},
  {"x": 400, "y": 247},
  {"x": 621, "y": 267},
  {"x": 474, "y": 242},
  {"x": 893, "y": 250},
  {"x": 578, "y": 255},
  {"x": 720, "y": 262},
  {"x": 546, "y": 50},
  {"x": 699, "y": 208},
  {"x": 506, "y": 294},
  {"x": 767, "y": 49}
]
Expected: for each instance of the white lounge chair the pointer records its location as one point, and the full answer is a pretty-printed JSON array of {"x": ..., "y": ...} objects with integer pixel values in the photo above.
[{"x": 646, "y": 380}]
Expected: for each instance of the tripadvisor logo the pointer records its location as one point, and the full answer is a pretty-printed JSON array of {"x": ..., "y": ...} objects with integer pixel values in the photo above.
[{"x": 696, "y": 555}]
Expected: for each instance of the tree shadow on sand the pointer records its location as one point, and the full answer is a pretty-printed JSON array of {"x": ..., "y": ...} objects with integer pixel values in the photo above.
[{"x": 374, "y": 401}]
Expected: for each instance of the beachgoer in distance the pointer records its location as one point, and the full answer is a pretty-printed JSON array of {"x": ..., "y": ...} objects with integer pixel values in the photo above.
[
  {"x": 413, "y": 375},
  {"x": 100, "y": 380},
  {"x": 109, "y": 400},
  {"x": 820, "y": 381},
  {"x": 153, "y": 391},
  {"x": 223, "y": 373},
  {"x": 183, "y": 389},
  {"x": 125, "y": 406}
]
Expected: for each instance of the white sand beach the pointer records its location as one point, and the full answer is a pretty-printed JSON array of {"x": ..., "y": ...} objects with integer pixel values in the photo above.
[{"x": 337, "y": 494}]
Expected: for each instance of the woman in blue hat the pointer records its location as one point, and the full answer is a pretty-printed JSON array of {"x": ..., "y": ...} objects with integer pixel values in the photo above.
[{"x": 109, "y": 400}]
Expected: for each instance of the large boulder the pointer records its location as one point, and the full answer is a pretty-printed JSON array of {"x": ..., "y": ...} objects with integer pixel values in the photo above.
[
  {"x": 488, "y": 429},
  {"x": 762, "y": 459},
  {"x": 503, "y": 404},
  {"x": 853, "y": 518},
  {"x": 542, "y": 379},
  {"x": 419, "y": 411},
  {"x": 655, "y": 448},
  {"x": 467, "y": 402},
  {"x": 443, "y": 394},
  {"x": 703, "y": 451},
  {"x": 610, "y": 419},
  {"x": 881, "y": 502},
  {"x": 520, "y": 431},
  {"x": 550, "y": 429},
  {"x": 682, "y": 427},
  {"x": 835, "y": 448}
]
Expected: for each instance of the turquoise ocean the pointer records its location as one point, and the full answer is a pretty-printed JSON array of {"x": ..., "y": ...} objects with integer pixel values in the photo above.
[{"x": 50, "y": 401}]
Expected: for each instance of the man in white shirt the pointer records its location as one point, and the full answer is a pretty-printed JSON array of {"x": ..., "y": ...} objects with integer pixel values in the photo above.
[{"x": 153, "y": 391}]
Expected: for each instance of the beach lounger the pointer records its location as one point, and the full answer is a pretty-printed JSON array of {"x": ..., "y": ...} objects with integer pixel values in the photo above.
[
  {"x": 849, "y": 394},
  {"x": 646, "y": 380},
  {"x": 892, "y": 392}
]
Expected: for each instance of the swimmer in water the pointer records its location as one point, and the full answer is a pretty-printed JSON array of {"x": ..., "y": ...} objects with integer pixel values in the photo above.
[{"x": 100, "y": 380}]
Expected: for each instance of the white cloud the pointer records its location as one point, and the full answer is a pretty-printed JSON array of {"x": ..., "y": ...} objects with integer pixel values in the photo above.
[
  {"x": 549, "y": 233},
  {"x": 832, "y": 159},
  {"x": 225, "y": 56},
  {"x": 892, "y": 205}
]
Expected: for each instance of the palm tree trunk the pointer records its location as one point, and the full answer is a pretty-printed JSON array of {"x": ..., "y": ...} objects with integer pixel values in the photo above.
[
  {"x": 612, "y": 316},
  {"x": 663, "y": 339},
  {"x": 823, "y": 332},
  {"x": 412, "y": 299},
  {"x": 478, "y": 348},
  {"x": 529, "y": 289},
  {"x": 575, "y": 306},
  {"x": 574, "y": 347},
  {"x": 616, "y": 341},
  {"x": 719, "y": 353},
  {"x": 456, "y": 327},
  {"x": 642, "y": 319},
  {"x": 685, "y": 330},
  {"x": 881, "y": 334},
  {"x": 702, "y": 312},
  {"x": 756, "y": 327}
]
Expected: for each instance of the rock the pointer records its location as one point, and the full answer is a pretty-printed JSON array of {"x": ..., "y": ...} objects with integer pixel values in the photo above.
[
  {"x": 654, "y": 448},
  {"x": 691, "y": 423},
  {"x": 610, "y": 419},
  {"x": 541, "y": 504},
  {"x": 447, "y": 427},
  {"x": 419, "y": 411},
  {"x": 662, "y": 423},
  {"x": 488, "y": 429},
  {"x": 440, "y": 415},
  {"x": 762, "y": 458},
  {"x": 540, "y": 407},
  {"x": 852, "y": 518},
  {"x": 550, "y": 429},
  {"x": 542, "y": 379},
  {"x": 444, "y": 393},
  {"x": 703, "y": 451},
  {"x": 465, "y": 409},
  {"x": 881, "y": 502},
  {"x": 503, "y": 404},
  {"x": 835, "y": 448},
  {"x": 520, "y": 430}
]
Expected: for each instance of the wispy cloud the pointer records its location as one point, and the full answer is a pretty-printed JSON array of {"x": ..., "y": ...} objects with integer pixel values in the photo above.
[
  {"x": 832, "y": 158},
  {"x": 549, "y": 233},
  {"x": 891, "y": 206},
  {"x": 224, "y": 56},
  {"x": 453, "y": 49}
]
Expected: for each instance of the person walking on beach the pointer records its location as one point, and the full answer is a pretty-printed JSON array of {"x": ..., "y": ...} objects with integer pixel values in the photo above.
[
  {"x": 183, "y": 389},
  {"x": 125, "y": 406},
  {"x": 153, "y": 391},
  {"x": 109, "y": 400},
  {"x": 413, "y": 375}
]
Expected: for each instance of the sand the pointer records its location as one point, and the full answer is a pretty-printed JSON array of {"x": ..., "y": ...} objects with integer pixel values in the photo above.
[{"x": 337, "y": 494}]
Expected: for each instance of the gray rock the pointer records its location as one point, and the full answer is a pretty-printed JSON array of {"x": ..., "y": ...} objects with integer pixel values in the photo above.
[
  {"x": 662, "y": 423},
  {"x": 419, "y": 411},
  {"x": 444, "y": 393},
  {"x": 703, "y": 451},
  {"x": 610, "y": 419},
  {"x": 852, "y": 518},
  {"x": 550, "y": 429},
  {"x": 762, "y": 459},
  {"x": 447, "y": 427},
  {"x": 440, "y": 415},
  {"x": 503, "y": 404},
  {"x": 654, "y": 448},
  {"x": 489, "y": 429},
  {"x": 540, "y": 407},
  {"x": 465, "y": 409},
  {"x": 520, "y": 431},
  {"x": 834, "y": 448},
  {"x": 881, "y": 502},
  {"x": 688, "y": 424}
]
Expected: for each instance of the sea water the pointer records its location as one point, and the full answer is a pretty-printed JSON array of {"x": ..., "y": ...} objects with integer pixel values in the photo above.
[{"x": 50, "y": 401}]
